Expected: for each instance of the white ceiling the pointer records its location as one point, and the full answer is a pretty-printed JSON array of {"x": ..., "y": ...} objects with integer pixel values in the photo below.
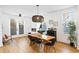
[{"x": 29, "y": 10}]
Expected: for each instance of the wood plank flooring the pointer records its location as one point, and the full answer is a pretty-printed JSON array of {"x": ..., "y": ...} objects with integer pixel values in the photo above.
[{"x": 21, "y": 45}]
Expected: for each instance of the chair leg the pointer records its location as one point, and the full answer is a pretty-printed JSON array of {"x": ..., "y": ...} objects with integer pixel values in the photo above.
[
  {"x": 45, "y": 48},
  {"x": 31, "y": 43},
  {"x": 40, "y": 45},
  {"x": 54, "y": 49},
  {"x": 50, "y": 49},
  {"x": 11, "y": 38}
]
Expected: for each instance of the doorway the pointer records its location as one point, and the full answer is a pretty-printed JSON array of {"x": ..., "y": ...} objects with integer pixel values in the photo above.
[
  {"x": 21, "y": 28},
  {"x": 13, "y": 29}
]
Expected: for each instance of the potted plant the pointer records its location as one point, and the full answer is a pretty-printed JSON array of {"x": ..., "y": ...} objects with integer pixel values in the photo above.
[{"x": 71, "y": 32}]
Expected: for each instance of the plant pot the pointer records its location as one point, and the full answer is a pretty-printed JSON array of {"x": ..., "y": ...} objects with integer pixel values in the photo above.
[{"x": 72, "y": 44}]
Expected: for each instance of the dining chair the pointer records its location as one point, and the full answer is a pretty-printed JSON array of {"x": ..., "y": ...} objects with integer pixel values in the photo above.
[
  {"x": 6, "y": 38},
  {"x": 38, "y": 41},
  {"x": 52, "y": 33},
  {"x": 32, "y": 40},
  {"x": 49, "y": 44}
]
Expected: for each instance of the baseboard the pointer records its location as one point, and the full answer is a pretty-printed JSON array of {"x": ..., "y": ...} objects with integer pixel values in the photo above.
[
  {"x": 63, "y": 42},
  {"x": 16, "y": 36},
  {"x": 68, "y": 44}
]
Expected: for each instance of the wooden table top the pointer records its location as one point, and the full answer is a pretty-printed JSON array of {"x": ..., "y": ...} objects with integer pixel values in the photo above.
[{"x": 44, "y": 37}]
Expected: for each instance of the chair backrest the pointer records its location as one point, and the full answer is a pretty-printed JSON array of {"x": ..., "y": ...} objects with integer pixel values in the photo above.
[
  {"x": 53, "y": 41},
  {"x": 31, "y": 38},
  {"x": 6, "y": 36},
  {"x": 38, "y": 39},
  {"x": 50, "y": 32}
]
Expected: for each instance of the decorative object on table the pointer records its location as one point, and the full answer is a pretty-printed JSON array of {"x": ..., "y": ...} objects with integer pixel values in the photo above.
[
  {"x": 42, "y": 28},
  {"x": 37, "y": 18},
  {"x": 41, "y": 31},
  {"x": 72, "y": 33},
  {"x": 33, "y": 29}
]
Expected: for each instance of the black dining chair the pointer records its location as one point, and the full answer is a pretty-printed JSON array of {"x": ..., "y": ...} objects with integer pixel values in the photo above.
[
  {"x": 35, "y": 40},
  {"x": 49, "y": 45},
  {"x": 38, "y": 41},
  {"x": 52, "y": 33},
  {"x": 32, "y": 40}
]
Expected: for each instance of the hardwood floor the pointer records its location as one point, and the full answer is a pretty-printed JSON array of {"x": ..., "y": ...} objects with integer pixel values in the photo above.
[{"x": 21, "y": 45}]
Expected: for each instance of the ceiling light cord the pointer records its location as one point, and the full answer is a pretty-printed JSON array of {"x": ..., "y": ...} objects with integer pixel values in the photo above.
[{"x": 37, "y": 9}]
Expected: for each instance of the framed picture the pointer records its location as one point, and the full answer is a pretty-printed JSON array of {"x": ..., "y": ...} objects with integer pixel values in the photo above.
[
  {"x": 54, "y": 23},
  {"x": 50, "y": 22}
]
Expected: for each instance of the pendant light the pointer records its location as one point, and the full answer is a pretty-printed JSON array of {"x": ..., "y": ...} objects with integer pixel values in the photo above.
[{"x": 37, "y": 18}]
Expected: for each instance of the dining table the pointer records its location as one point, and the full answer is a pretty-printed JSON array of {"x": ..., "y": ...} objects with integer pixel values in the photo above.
[{"x": 42, "y": 36}]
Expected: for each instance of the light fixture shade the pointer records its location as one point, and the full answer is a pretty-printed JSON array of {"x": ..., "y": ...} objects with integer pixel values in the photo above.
[{"x": 37, "y": 18}]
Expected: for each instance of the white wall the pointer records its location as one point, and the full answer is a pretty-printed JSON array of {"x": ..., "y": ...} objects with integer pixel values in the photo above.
[
  {"x": 6, "y": 24},
  {"x": 1, "y": 44},
  {"x": 27, "y": 26},
  {"x": 77, "y": 24}
]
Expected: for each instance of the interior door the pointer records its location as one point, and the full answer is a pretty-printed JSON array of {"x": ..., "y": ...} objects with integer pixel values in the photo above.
[{"x": 13, "y": 27}]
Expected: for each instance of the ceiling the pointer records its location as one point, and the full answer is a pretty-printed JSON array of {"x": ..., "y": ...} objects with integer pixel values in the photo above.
[{"x": 29, "y": 10}]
